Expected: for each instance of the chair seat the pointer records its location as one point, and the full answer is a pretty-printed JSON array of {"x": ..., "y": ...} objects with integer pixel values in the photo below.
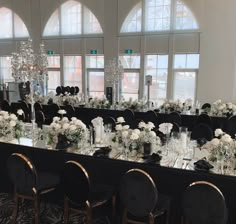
[{"x": 47, "y": 180}]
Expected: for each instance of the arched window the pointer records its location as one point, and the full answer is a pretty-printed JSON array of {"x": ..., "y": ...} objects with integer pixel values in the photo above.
[
  {"x": 72, "y": 18},
  {"x": 159, "y": 15},
  {"x": 11, "y": 25}
]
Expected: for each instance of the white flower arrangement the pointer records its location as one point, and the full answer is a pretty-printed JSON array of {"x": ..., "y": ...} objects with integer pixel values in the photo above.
[
  {"x": 61, "y": 112},
  {"x": 37, "y": 98},
  {"x": 136, "y": 105},
  {"x": 171, "y": 105},
  {"x": 222, "y": 147},
  {"x": 223, "y": 109},
  {"x": 146, "y": 133},
  {"x": 99, "y": 103},
  {"x": 74, "y": 130},
  {"x": 165, "y": 128},
  {"x": 10, "y": 125}
]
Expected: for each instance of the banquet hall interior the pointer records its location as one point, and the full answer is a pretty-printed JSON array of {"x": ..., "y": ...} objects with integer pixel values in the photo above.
[{"x": 117, "y": 111}]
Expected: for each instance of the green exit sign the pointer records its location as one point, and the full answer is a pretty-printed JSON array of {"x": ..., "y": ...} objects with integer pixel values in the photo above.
[
  {"x": 129, "y": 51},
  {"x": 50, "y": 52},
  {"x": 93, "y": 51}
]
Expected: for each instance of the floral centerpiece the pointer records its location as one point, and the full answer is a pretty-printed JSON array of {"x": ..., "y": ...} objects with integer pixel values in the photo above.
[
  {"x": 136, "y": 105},
  {"x": 222, "y": 147},
  {"x": 10, "y": 126},
  {"x": 99, "y": 103},
  {"x": 37, "y": 98},
  {"x": 171, "y": 105},
  {"x": 223, "y": 109},
  {"x": 74, "y": 130}
]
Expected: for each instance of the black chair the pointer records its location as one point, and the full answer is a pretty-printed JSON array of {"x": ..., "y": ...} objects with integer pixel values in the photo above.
[
  {"x": 76, "y": 90},
  {"x": 70, "y": 111},
  {"x": 58, "y": 90},
  {"x": 38, "y": 106},
  {"x": 80, "y": 194},
  {"x": 205, "y": 119},
  {"x": 203, "y": 203},
  {"x": 231, "y": 126},
  {"x": 25, "y": 107},
  {"x": 67, "y": 89},
  {"x": 152, "y": 117},
  {"x": 140, "y": 199},
  {"x": 129, "y": 117},
  {"x": 63, "y": 90},
  {"x": 39, "y": 118},
  {"x": 202, "y": 131},
  {"x": 175, "y": 127},
  {"x": 29, "y": 183},
  {"x": 174, "y": 117},
  {"x": 206, "y": 107},
  {"x": 5, "y": 106},
  {"x": 72, "y": 90},
  {"x": 110, "y": 120}
]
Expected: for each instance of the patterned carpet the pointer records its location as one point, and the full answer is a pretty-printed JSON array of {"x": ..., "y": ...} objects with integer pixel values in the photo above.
[{"x": 49, "y": 213}]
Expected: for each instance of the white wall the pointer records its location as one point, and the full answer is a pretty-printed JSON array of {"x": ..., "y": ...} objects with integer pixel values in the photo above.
[{"x": 217, "y": 74}]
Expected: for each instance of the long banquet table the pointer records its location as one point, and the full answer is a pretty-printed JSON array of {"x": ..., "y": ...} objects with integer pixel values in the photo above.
[
  {"x": 169, "y": 181},
  {"x": 87, "y": 114}
]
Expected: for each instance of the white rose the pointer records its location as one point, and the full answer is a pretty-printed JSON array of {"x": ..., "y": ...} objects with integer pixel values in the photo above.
[
  {"x": 125, "y": 134},
  {"x": 141, "y": 125},
  {"x": 218, "y": 132},
  {"x": 226, "y": 138},
  {"x": 65, "y": 126},
  {"x": 134, "y": 136},
  {"x": 150, "y": 125},
  {"x": 62, "y": 112},
  {"x": 125, "y": 127},
  {"x": 57, "y": 126},
  {"x": 72, "y": 127},
  {"x": 120, "y": 120},
  {"x": 20, "y": 112},
  {"x": 13, "y": 117},
  {"x": 230, "y": 105},
  {"x": 137, "y": 131},
  {"x": 65, "y": 119},
  {"x": 1, "y": 118},
  {"x": 215, "y": 141},
  {"x": 55, "y": 119},
  {"x": 73, "y": 119},
  {"x": 6, "y": 116},
  {"x": 118, "y": 127},
  {"x": 12, "y": 123},
  {"x": 153, "y": 134}
]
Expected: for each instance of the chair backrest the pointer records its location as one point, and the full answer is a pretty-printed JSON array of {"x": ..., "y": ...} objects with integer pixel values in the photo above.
[
  {"x": 129, "y": 117},
  {"x": 202, "y": 131},
  {"x": 70, "y": 111},
  {"x": 76, "y": 89},
  {"x": 75, "y": 182},
  {"x": 58, "y": 90},
  {"x": 138, "y": 192},
  {"x": 204, "y": 118},
  {"x": 151, "y": 116},
  {"x": 174, "y": 117},
  {"x": 110, "y": 120},
  {"x": 203, "y": 203},
  {"x": 5, "y": 105},
  {"x": 206, "y": 106},
  {"x": 22, "y": 173},
  {"x": 38, "y": 106},
  {"x": 231, "y": 126},
  {"x": 72, "y": 90},
  {"x": 40, "y": 118}
]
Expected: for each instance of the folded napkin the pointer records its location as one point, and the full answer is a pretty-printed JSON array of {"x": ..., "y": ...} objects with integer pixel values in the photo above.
[
  {"x": 154, "y": 158},
  {"x": 202, "y": 165},
  {"x": 102, "y": 152}
]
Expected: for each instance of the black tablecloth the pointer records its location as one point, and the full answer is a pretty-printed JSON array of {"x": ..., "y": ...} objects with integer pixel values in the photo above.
[{"x": 169, "y": 181}]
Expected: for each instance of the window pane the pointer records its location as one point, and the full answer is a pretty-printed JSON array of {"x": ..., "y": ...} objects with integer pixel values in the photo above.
[
  {"x": 52, "y": 26},
  {"x": 184, "y": 85},
  {"x": 91, "y": 24},
  {"x": 96, "y": 84},
  {"x": 71, "y": 18},
  {"x": 157, "y": 67},
  {"x": 193, "y": 61},
  {"x": 53, "y": 61},
  {"x": 130, "y": 85},
  {"x": 5, "y": 70},
  {"x": 180, "y": 61},
  {"x": 186, "y": 61},
  {"x": 95, "y": 61},
  {"x": 184, "y": 17},
  {"x": 133, "y": 21},
  {"x": 130, "y": 61},
  {"x": 73, "y": 71},
  {"x": 20, "y": 28},
  {"x": 53, "y": 80},
  {"x": 157, "y": 15},
  {"x": 6, "y": 23}
]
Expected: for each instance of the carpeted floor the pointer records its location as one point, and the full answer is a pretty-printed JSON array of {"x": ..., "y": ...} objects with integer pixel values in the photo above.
[{"x": 49, "y": 213}]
